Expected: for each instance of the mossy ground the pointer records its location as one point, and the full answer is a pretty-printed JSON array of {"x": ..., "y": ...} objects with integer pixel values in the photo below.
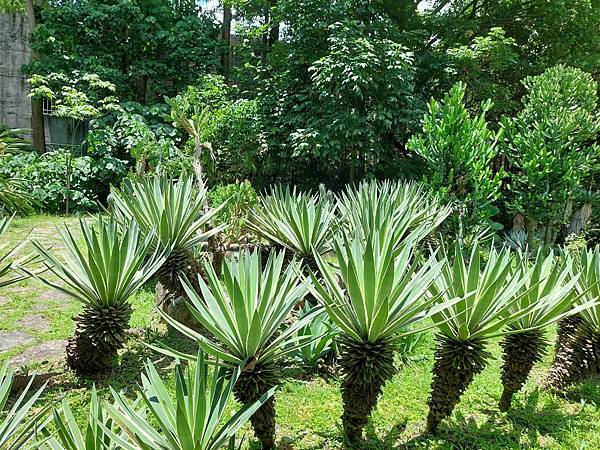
[{"x": 309, "y": 407}]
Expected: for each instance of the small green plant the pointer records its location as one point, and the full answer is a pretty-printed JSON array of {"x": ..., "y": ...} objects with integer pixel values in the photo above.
[
  {"x": 458, "y": 150},
  {"x": 20, "y": 424},
  {"x": 240, "y": 198},
  {"x": 194, "y": 419},
  {"x": 322, "y": 331}
]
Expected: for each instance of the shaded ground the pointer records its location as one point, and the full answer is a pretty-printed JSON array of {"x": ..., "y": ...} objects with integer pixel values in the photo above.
[{"x": 308, "y": 408}]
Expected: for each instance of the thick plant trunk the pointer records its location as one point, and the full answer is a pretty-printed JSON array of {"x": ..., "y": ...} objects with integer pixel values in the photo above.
[
  {"x": 251, "y": 386},
  {"x": 566, "y": 337},
  {"x": 99, "y": 335},
  {"x": 366, "y": 367},
  {"x": 520, "y": 353},
  {"x": 579, "y": 362},
  {"x": 456, "y": 364},
  {"x": 226, "y": 37}
]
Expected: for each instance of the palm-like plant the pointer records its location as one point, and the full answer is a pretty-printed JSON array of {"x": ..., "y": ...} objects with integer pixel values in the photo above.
[
  {"x": 486, "y": 302},
  {"x": 194, "y": 419},
  {"x": 245, "y": 313},
  {"x": 174, "y": 213},
  {"x": 406, "y": 205},
  {"x": 102, "y": 274},
  {"x": 382, "y": 292},
  {"x": 296, "y": 221},
  {"x": 582, "y": 358},
  {"x": 101, "y": 432},
  {"x": 8, "y": 257},
  {"x": 19, "y": 427},
  {"x": 548, "y": 288},
  {"x": 14, "y": 194}
]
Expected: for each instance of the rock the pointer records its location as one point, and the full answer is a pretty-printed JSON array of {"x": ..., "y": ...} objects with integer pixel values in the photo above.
[
  {"x": 4, "y": 300},
  {"x": 11, "y": 339},
  {"x": 35, "y": 322},
  {"x": 46, "y": 351}
]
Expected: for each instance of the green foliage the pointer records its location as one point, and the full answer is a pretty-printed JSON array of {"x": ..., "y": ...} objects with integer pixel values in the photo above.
[
  {"x": 550, "y": 143},
  {"x": 194, "y": 419},
  {"x": 170, "y": 212},
  {"x": 239, "y": 199},
  {"x": 367, "y": 208},
  {"x": 15, "y": 197},
  {"x": 322, "y": 332},
  {"x": 459, "y": 150},
  {"x": 380, "y": 294},
  {"x": 12, "y": 6},
  {"x": 245, "y": 310},
  {"x": 43, "y": 176},
  {"x": 141, "y": 47},
  {"x": 104, "y": 271},
  {"x": 99, "y": 429},
  {"x": 484, "y": 66},
  {"x": 19, "y": 426},
  {"x": 299, "y": 222}
]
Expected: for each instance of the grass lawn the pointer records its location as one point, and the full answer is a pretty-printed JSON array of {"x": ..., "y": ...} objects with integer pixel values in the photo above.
[{"x": 308, "y": 406}]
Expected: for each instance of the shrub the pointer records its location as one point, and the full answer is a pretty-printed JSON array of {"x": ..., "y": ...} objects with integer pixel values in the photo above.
[
  {"x": 550, "y": 145},
  {"x": 241, "y": 198},
  {"x": 459, "y": 150},
  {"x": 46, "y": 176}
]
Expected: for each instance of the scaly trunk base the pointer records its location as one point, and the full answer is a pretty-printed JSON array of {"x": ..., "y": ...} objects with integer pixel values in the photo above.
[
  {"x": 366, "y": 367},
  {"x": 566, "y": 336},
  {"x": 251, "y": 386},
  {"x": 581, "y": 361},
  {"x": 521, "y": 352},
  {"x": 456, "y": 364}
]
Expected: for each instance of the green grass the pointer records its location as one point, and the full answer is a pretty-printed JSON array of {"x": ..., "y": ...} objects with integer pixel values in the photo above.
[{"x": 309, "y": 407}]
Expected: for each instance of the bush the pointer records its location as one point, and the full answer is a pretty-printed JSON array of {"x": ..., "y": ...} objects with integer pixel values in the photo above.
[
  {"x": 46, "y": 177},
  {"x": 242, "y": 198}
]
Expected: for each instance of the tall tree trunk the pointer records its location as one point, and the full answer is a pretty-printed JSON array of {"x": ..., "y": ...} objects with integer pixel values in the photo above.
[
  {"x": 226, "y": 37},
  {"x": 38, "y": 136}
]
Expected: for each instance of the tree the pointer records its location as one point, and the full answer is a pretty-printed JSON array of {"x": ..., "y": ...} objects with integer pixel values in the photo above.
[{"x": 550, "y": 145}]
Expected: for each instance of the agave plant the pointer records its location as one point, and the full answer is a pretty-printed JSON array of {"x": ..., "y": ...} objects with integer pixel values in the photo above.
[
  {"x": 174, "y": 214},
  {"x": 194, "y": 419},
  {"x": 9, "y": 263},
  {"x": 15, "y": 196},
  {"x": 381, "y": 293},
  {"x": 19, "y": 427},
  {"x": 406, "y": 205},
  {"x": 298, "y": 222},
  {"x": 101, "y": 432},
  {"x": 488, "y": 299},
  {"x": 246, "y": 313},
  {"x": 322, "y": 332},
  {"x": 581, "y": 356},
  {"x": 549, "y": 289},
  {"x": 101, "y": 274}
]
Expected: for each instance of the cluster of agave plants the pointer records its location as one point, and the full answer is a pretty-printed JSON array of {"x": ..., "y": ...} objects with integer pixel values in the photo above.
[{"x": 357, "y": 272}]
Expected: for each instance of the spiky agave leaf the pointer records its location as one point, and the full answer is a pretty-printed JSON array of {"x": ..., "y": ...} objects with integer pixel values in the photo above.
[
  {"x": 381, "y": 293},
  {"x": 98, "y": 434},
  {"x": 486, "y": 296},
  {"x": 101, "y": 274},
  {"x": 245, "y": 312},
  {"x": 582, "y": 358},
  {"x": 405, "y": 204},
  {"x": 173, "y": 213},
  {"x": 296, "y": 221},
  {"x": 10, "y": 264},
  {"x": 323, "y": 330},
  {"x": 548, "y": 287},
  {"x": 19, "y": 427},
  {"x": 193, "y": 419}
]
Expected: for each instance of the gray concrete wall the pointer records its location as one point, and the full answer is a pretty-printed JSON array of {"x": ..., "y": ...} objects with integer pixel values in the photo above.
[{"x": 15, "y": 105}]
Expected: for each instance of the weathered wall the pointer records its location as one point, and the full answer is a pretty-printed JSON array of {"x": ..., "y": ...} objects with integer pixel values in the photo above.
[{"x": 15, "y": 105}]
